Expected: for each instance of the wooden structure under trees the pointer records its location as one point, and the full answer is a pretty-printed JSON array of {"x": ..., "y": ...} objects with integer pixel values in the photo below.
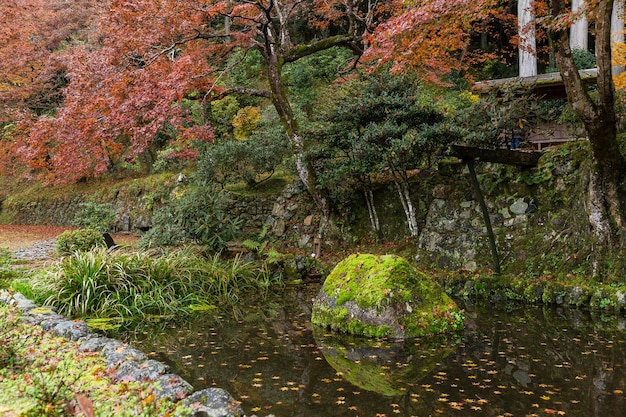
[
  {"x": 547, "y": 87},
  {"x": 498, "y": 156},
  {"x": 470, "y": 155}
]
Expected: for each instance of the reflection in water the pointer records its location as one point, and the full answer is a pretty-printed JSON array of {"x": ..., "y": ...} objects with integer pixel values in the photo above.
[
  {"x": 525, "y": 361},
  {"x": 384, "y": 367}
]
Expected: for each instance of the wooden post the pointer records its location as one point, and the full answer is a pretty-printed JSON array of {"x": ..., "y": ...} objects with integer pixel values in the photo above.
[
  {"x": 317, "y": 247},
  {"x": 483, "y": 207}
]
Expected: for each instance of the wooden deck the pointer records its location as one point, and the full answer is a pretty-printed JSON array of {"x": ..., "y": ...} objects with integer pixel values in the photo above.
[
  {"x": 546, "y": 87},
  {"x": 550, "y": 134}
]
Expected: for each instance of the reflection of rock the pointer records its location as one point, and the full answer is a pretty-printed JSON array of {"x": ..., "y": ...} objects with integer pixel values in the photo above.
[
  {"x": 385, "y": 367},
  {"x": 383, "y": 296},
  {"x": 213, "y": 402}
]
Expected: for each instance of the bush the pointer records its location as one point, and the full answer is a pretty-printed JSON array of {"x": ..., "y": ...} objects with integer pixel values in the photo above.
[
  {"x": 195, "y": 214},
  {"x": 80, "y": 240},
  {"x": 251, "y": 160},
  {"x": 97, "y": 216}
]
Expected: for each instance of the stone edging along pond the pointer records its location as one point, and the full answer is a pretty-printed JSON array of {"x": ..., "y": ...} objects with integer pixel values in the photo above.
[
  {"x": 126, "y": 362},
  {"x": 608, "y": 299}
]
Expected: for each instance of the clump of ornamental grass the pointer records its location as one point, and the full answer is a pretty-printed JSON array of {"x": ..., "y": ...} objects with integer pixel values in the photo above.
[
  {"x": 143, "y": 285},
  {"x": 7, "y": 273}
]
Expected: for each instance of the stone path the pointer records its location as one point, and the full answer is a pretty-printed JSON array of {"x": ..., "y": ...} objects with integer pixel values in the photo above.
[{"x": 41, "y": 250}]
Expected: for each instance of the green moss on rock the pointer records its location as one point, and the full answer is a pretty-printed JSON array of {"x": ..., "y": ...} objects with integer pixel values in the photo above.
[{"x": 383, "y": 296}]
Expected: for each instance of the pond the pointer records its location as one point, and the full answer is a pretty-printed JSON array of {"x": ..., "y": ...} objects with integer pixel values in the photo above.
[{"x": 519, "y": 361}]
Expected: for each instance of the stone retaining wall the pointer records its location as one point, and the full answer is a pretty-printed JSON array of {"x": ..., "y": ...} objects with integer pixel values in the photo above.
[{"x": 540, "y": 210}]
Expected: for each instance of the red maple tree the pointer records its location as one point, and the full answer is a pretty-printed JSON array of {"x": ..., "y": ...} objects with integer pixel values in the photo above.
[
  {"x": 144, "y": 58},
  {"x": 32, "y": 32}
]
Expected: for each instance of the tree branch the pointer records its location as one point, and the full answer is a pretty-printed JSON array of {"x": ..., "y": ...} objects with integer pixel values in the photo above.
[
  {"x": 247, "y": 91},
  {"x": 301, "y": 51}
]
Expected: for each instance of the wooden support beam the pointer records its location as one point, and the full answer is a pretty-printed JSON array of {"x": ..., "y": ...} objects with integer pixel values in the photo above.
[{"x": 498, "y": 156}]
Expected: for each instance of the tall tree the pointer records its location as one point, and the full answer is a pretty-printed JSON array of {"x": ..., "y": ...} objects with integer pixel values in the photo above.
[
  {"x": 32, "y": 33},
  {"x": 152, "y": 55},
  {"x": 269, "y": 28},
  {"x": 607, "y": 190},
  {"x": 441, "y": 28}
]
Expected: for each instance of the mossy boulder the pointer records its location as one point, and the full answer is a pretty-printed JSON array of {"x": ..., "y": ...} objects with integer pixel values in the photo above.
[{"x": 383, "y": 296}]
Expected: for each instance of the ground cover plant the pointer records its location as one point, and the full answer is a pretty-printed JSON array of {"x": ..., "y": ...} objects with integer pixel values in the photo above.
[
  {"x": 55, "y": 379},
  {"x": 6, "y": 270}
]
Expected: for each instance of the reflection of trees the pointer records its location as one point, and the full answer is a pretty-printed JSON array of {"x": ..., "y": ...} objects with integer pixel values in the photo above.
[{"x": 536, "y": 353}]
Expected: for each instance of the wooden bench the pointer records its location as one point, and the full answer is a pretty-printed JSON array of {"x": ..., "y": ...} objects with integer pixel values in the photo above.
[{"x": 552, "y": 134}]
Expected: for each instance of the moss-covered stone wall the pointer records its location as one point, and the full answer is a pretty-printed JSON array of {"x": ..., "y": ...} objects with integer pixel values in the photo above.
[{"x": 538, "y": 214}]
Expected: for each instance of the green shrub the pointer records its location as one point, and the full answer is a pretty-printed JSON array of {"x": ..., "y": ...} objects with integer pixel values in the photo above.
[
  {"x": 252, "y": 160},
  {"x": 196, "y": 214},
  {"x": 72, "y": 241},
  {"x": 97, "y": 216}
]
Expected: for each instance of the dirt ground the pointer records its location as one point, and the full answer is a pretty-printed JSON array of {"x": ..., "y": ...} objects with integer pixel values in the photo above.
[{"x": 17, "y": 236}]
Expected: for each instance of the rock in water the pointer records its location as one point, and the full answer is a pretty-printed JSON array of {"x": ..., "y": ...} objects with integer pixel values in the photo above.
[{"x": 383, "y": 296}]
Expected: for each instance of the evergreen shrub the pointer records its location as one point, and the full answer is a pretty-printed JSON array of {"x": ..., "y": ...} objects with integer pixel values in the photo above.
[
  {"x": 195, "y": 214},
  {"x": 80, "y": 240},
  {"x": 97, "y": 216}
]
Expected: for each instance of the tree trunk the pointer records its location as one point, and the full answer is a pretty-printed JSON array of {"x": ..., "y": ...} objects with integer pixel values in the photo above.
[
  {"x": 407, "y": 205},
  {"x": 306, "y": 172},
  {"x": 371, "y": 209},
  {"x": 607, "y": 193}
]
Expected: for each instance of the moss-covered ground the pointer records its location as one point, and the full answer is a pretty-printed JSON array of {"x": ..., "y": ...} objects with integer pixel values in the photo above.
[{"x": 45, "y": 375}]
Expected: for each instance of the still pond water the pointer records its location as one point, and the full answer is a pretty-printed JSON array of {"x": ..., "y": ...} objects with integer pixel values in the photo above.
[{"x": 522, "y": 361}]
